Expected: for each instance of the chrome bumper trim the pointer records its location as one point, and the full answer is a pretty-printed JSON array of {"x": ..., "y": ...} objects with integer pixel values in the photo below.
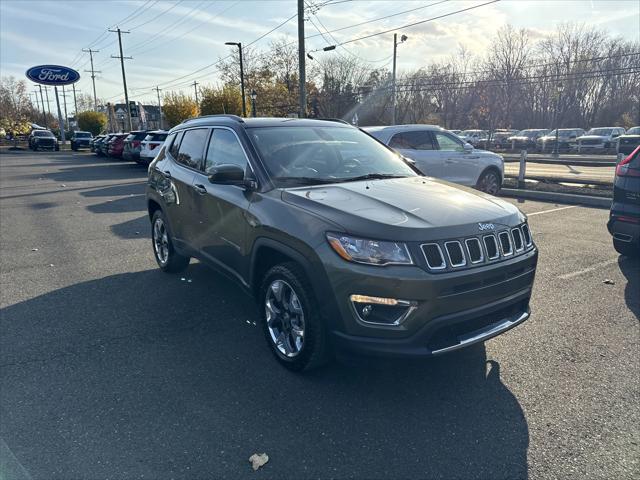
[{"x": 485, "y": 333}]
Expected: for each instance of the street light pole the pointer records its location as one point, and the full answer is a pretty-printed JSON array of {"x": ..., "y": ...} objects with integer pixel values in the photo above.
[
  {"x": 301, "y": 61},
  {"x": 556, "y": 149},
  {"x": 403, "y": 38},
  {"x": 244, "y": 101},
  {"x": 254, "y": 95}
]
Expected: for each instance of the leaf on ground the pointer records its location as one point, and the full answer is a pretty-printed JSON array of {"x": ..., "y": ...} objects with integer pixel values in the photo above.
[{"x": 258, "y": 460}]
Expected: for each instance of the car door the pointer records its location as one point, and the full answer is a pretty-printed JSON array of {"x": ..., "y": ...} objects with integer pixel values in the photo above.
[
  {"x": 222, "y": 224},
  {"x": 460, "y": 165},
  {"x": 180, "y": 166},
  {"x": 418, "y": 146}
]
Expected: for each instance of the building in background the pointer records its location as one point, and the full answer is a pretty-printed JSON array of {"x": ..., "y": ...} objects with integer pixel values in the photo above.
[{"x": 143, "y": 117}]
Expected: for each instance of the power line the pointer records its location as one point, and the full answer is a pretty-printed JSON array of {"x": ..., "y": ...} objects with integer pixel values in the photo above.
[
  {"x": 157, "y": 16},
  {"x": 409, "y": 25}
]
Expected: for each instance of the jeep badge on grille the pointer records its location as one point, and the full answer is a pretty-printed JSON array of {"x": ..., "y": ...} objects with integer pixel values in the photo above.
[{"x": 486, "y": 226}]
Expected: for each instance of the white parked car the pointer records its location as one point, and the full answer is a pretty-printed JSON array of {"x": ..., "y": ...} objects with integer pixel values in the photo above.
[
  {"x": 438, "y": 153},
  {"x": 150, "y": 146},
  {"x": 603, "y": 138},
  {"x": 475, "y": 137}
]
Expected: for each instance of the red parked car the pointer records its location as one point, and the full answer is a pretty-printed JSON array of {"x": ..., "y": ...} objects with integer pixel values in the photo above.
[{"x": 116, "y": 145}]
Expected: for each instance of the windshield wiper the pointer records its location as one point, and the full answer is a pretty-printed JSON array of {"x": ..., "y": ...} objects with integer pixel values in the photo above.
[
  {"x": 373, "y": 176},
  {"x": 307, "y": 180}
]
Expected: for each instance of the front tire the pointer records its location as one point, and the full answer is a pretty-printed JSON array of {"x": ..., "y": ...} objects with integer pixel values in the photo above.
[
  {"x": 168, "y": 259},
  {"x": 291, "y": 319},
  {"x": 628, "y": 249},
  {"x": 489, "y": 182}
]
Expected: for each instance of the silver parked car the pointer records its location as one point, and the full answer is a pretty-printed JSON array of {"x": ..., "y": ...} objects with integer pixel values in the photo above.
[
  {"x": 440, "y": 154},
  {"x": 601, "y": 139}
]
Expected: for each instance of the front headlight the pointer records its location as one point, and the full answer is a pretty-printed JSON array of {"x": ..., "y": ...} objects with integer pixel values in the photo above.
[{"x": 372, "y": 252}]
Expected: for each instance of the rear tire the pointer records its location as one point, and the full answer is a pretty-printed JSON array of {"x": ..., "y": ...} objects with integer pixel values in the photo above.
[
  {"x": 627, "y": 248},
  {"x": 291, "y": 320},
  {"x": 168, "y": 259}
]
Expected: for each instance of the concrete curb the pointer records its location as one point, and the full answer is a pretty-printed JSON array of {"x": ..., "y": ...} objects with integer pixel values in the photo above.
[{"x": 587, "y": 200}]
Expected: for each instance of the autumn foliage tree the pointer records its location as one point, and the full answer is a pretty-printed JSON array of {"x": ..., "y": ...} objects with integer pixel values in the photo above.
[
  {"x": 178, "y": 107},
  {"x": 227, "y": 99},
  {"x": 90, "y": 121}
]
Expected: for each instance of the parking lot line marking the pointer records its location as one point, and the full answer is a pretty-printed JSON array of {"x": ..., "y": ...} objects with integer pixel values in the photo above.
[
  {"x": 567, "y": 276},
  {"x": 551, "y": 210}
]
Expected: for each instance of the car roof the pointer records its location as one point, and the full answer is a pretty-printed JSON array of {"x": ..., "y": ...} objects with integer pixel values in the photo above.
[
  {"x": 234, "y": 120},
  {"x": 402, "y": 128}
]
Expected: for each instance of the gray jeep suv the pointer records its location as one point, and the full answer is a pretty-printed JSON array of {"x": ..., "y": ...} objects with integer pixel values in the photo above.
[{"x": 342, "y": 243}]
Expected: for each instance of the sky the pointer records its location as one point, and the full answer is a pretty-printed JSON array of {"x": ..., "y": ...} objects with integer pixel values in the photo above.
[{"x": 171, "y": 39}]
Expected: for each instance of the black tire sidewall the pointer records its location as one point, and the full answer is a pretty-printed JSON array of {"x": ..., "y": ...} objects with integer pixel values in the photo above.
[{"x": 312, "y": 353}]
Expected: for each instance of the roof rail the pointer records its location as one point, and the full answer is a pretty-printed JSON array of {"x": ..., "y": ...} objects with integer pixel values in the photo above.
[
  {"x": 337, "y": 120},
  {"x": 218, "y": 115}
]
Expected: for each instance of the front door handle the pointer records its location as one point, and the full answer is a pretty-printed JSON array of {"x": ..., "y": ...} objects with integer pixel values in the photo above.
[{"x": 200, "y": 188}]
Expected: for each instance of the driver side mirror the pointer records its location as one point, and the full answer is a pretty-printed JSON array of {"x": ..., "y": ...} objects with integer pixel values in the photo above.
[
  {"x": 467, "y": 148},
  {"x": 229, "y": 174}
]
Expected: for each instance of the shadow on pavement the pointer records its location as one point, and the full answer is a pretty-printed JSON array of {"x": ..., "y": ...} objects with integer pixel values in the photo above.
[
  {"x": 156, "y": 375},
  {"x": 137, "y": 228},
  {"x": 630, "y": 268}
]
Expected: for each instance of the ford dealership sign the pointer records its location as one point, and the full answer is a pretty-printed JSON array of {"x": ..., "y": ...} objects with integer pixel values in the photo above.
[{"x": 53, "y": 75}]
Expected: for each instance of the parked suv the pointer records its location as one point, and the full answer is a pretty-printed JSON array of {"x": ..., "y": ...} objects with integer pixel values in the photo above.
[
  {"x": 624, "y": 218},
  {"x": 80, "y": 140},
  {"x": 438, "y": 153},
  {"x": 476, "y": 138},
  {"x": 132, "y": 145},
  {"x": 151, "y": 145},
  {"x": 567, "y": 138},
  {"x": 343, "y": 244},
  {"x": 628, "y": 142},
  {"x": 526, "y": 139},
  {"x": 599, "y": 139},
  {"x": 43, "y": 139}
]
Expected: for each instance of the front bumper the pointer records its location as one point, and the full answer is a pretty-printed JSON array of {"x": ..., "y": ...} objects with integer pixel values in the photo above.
[{"x": 452, "y": 309}]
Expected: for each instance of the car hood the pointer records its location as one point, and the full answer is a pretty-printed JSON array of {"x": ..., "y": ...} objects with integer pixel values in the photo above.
[
  {"x": 415, "y": 208},
  {"x": 594, "y": 137}
]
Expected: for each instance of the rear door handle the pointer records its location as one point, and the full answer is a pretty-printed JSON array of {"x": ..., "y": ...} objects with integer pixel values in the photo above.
[{"x": 200, "y": 188}]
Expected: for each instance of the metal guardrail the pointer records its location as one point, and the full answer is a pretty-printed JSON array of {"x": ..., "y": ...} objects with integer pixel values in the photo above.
[
  {"x": 556, "y": 160},
  {"x": 577, "y": 160}
]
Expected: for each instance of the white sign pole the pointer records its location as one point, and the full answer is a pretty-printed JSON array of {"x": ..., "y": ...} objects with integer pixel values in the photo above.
[{"x": 60, "y": 122}]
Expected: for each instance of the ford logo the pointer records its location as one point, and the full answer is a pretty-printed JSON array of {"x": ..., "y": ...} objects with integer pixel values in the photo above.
[{"x": 53, "y": 75}]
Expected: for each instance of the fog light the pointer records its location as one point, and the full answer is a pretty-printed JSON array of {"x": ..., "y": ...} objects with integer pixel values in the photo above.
[{"x": 380, "y": 310}]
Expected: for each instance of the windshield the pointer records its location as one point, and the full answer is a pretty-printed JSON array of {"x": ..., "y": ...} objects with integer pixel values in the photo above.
[
  {"x": 600, "y": 131},
  {"x": 563, "y": 133},
  {"x": 83, "y": 135},
  {"x": 528, "y": 133},
  {"x": 42, "y": 133},
  {"x": 633, "y": 131},
  {"x": 313, "y": 155}
]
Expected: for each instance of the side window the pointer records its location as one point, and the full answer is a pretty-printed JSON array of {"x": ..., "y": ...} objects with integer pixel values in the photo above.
[
  {"x": 191, "y": 148},
  {"x": 416, "y": 140},
  {"x": 448, "y": 142},
  {"x": 224, "y": 149},
  {"x": 174, "y": 142}
]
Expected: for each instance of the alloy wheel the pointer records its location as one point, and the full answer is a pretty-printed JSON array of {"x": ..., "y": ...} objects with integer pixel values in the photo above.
[
  {"x": 161, "y": 241},
  {"x": 285, "y": 318}
]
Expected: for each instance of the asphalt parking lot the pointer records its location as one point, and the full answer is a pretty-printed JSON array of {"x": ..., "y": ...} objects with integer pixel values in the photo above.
[{"x": 112, "y": 369}]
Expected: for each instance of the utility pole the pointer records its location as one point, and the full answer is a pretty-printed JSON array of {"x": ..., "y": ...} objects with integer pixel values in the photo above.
[
  {"x": 66, "y": 117},
  {"x": 195, "y": 88},
  {"x": 60, "y": 122},
  {"x": 244, "y": 101},
  {"x": 124, "y": 78},
  {"x": 46, "y": 92},
  {"x": 75, "y": 102},
  {"x": 35, "y": 92},
  {"x": 403, "y": 39},
  {"x": 44, "y": 115},
  {"x": 93, "y": 75},
  {"x": 301, "y": 60},
  {"x": 159, "y": 107}
]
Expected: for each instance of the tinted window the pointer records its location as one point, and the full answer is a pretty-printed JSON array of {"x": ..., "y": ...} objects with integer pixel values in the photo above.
[
  {"x": 448, "y": 142},
  {"x": 192, "y": 147},
  {"x": 418, "y": 140},
  {"x": 224, "y": 149},
  {"x": 156, "y": 137},
  {"x": 42, "y": 133},
  {"x": 83, "y": 135},
  {"x": 173, "y": 150}
]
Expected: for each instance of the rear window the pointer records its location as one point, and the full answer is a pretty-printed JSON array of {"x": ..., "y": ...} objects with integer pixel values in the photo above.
[
  {"x": 42, "y": 133},
  {"x": 156, "y": 137},
  {"x": 137, "y": 135}
]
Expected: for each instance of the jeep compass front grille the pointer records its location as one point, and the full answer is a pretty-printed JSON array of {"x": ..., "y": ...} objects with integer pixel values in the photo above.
[{"x": 453, "y": 254}]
